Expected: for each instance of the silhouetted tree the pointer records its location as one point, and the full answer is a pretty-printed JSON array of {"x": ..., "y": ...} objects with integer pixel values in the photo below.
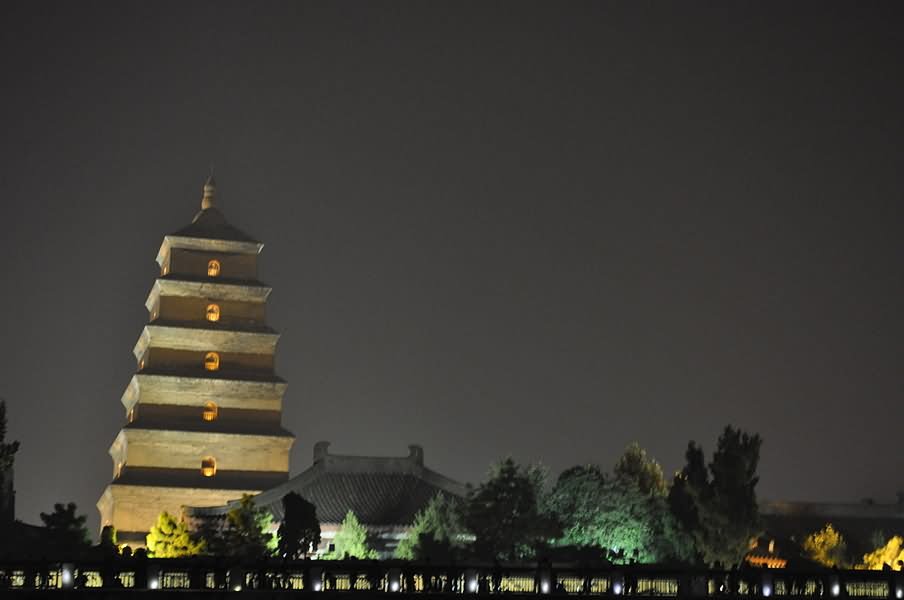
[
  {"x": 299, "y": 532},
  {"x": 7, "y": 449},
  {"x": 718, "y": 509},
  {"x": 436, "y": 531},
  {"x": 65, "y": 530},
  {"x": 247, "y": 531},
  {"x": 351, "y": 540},
  {"x": 170, "y": 537},
  {"x": 504, "y": 513}
]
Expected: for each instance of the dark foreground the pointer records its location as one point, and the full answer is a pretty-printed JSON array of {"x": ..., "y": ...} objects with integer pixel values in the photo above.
[{"x": 209, "y": 578}]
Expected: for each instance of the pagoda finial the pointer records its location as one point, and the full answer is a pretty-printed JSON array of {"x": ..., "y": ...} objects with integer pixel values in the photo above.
[{"x": 210, "y": 191}]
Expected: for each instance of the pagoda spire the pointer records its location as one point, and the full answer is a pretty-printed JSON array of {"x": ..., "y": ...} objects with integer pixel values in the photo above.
[{"x": 210, "y": 191}]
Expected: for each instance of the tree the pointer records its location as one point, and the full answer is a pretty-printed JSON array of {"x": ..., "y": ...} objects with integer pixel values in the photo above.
[
  {"x": 826, "y": 547},
  {"x": 504, "y": 513},
  {"x": 350, "y": 540},
  {"x": 65, "y": 530},
  {"x": 436, "y": 531},
  {"x": 170, "y": 538},
  {"x": 634, "y": 465},
  {"x": 108, "y": 540},
  {"x": 718, "y": 508},
  {"x": 247, "y": 531},
  {"x": 7, "y": 449},
  {"x": 299, "y": 531},
  {"x": 891, "y": 554},
  {"x": 7, "y": 458},
  {"x": 614, "y": 515}
]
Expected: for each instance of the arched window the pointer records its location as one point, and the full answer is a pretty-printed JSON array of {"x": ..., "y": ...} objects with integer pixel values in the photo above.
[
  {"x": 211, "y": 361},
  {"x": 213, "y": 312},
  {"x": 132, "y": 415},
  {"x": 210, "y": 411},
  {"x": 213, "y": 268},
  {"x": 208, "y": 466}
]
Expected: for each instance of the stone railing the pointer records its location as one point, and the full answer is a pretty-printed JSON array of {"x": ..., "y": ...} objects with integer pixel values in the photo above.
[{"x": 396, "y": 577}]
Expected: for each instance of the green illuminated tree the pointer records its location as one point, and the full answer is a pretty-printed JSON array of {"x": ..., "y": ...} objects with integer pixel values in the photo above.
[
  {"x": 299, "y": 531},
  {"x": 66, "y": 531},
  {"x": 826, "y": 547},
  {"x": 504, "y": 513},
  {"x": 436, "y": 532},
  {"x": 351, "y": 540},
  {"x": 717, "y": 508},
  {"x": 614, "y": 515},
  {"x": 247, "y": 531},
  {"x": 170, "y": 537},
  {"x": 634, "y": 465}
]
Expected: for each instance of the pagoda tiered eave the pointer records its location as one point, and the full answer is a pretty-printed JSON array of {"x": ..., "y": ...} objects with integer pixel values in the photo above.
[
  {"x": 202, "y": 340},
  {"x": 205, "y": 244},
  {"x": 176, "y": 390},
  {"x": 186, "y": 288}
]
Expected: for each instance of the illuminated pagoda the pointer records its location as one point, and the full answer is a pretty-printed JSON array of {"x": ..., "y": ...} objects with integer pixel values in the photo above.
[{"x": 204, "y": 407}]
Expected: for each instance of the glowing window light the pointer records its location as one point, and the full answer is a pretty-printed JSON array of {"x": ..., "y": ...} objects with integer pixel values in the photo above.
[
  {"x": 213, "y": 268},
  {"x": 208, "y": 466},
  {"x": 213, "y": 313},
  {"x": 212, "y": 361},
  {"x": 210, "y": 411}
]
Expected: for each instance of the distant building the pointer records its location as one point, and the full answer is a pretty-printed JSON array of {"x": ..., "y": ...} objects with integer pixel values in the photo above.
[
  {"x": 385, "y": 493},
  {"x": 203, "y": 409}
]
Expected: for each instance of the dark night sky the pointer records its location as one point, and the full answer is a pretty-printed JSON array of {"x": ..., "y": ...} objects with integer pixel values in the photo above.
[{"x": 543, "y": 230}]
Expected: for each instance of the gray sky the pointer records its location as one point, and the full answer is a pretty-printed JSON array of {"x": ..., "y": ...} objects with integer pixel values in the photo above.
[{"x": 543, "y": 230}]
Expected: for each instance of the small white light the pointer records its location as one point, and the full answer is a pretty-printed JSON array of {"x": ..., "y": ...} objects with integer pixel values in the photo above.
[
  {"x": 237, "y": 588},
  {"x": 544, "y": 587},
  {"x": 899, "y": 593},
  {"x": 153, "y": 583},
  {"x": 836, "y": 589},
  {"x": 67, "y": 577},
  {"x": 393, "y": 587},
  {"x": 472, "y": 585},
  {"x": 617, "y": 588},
  {"x": 767, "y": 590},
  {"x": 317, "y": 586}
]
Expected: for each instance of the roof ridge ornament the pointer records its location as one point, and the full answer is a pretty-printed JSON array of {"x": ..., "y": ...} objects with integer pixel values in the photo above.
[{"x": 210, "y": 191}]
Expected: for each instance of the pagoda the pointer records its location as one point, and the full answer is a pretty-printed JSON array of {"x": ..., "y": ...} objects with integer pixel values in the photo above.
[{"x": 204, "y": 407}]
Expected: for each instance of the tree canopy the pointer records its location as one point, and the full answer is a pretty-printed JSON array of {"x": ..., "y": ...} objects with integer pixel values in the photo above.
[
  {"x": 170, "y": 537},
  {"x": 351, "y": 540},
  {"x": 299, "y": 532},
  {"x": 7, "y": 449},
  {"x": 436, "y": 532},
  {"x": 634, "y": 465},
  {"x": 504, "y": 513},
  {"x": 66, "y": 530},
  {"x": 826, "y": 547},
  {"x": 718, "y": 508},
  {"x": 891, "y": 554}
]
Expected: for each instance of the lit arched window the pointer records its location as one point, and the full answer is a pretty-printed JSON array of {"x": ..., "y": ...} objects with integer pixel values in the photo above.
[
  {"x": 213, "y": 268},
  {"x": 211, "y": 361},
  {"x": 210, "y": 411},
  {"x": 132, "y": 415},
  {"x": 208, "y": 466},
  {"x": 213, "y": 312}
]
